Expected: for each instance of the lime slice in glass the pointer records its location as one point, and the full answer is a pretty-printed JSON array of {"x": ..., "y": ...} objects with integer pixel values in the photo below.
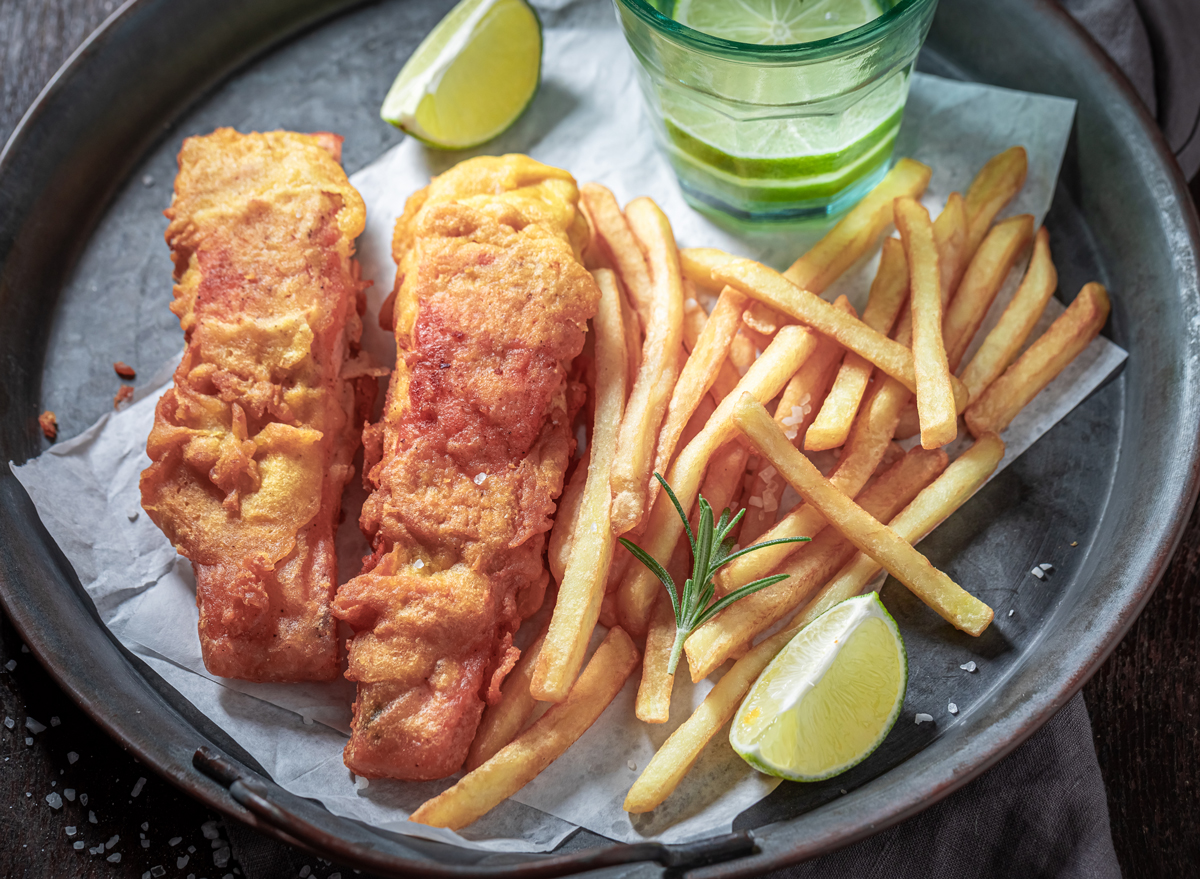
[
  {"x": 830, "y": 696},
  {"x": 471, "y": 77},
  {"x": 775, "y": 22}
]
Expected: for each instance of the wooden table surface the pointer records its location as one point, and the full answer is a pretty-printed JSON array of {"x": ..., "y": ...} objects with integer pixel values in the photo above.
[{"x": 1144, "y": 702}]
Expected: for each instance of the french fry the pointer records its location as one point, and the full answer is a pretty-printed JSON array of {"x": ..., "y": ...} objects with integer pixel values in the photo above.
[
  {"x": 928, "y": 510},
  {"x": 709, "y": 352},
  {"x": 741, "y": 352},
  {"x": 989, "y": 267},
  {"x": 950, "y": 236},
  {"x": 653, "y": 704},
  {"x": 694, "y": 321},
  {"x": 566, "y": 519},
  {"x": 898, "y": 557},
  {"x": 1071, "y": 332},
  {"x": 994, "y": 186},
  {"x": 634, "y": 461},
  {"x": 766, "y": 285},
  {"x": 633, "y": 339},
  {"x": 503, "y": 722},
  {"x": 760, "y": 341},
  {"x": 618, "y": 244},
  {"x": 718, "y": 639},
  {"x": 581, "y": 586},
  {"x": 683, "y": 747},
  {"x": 884, "y": 303},
  {"x": 520, "y": 761},
  {"x": 869, "y": 440},
  {"x": 795, "y": 413},
  {"x": 935, "y": 396},
  {"x": 763, "y": 319},
  {"x": 790, "y": 348},
  {"x": 1003, "y": 343}
]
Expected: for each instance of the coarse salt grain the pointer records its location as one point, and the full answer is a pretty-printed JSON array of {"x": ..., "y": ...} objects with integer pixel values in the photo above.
[
  {"x": 158, "y": 871},
  {"x": 78, "y": 845},
  {"x": 83, "y": 799},
  {"x": 1038, "y": 572},
  {"x": 72, "y": 757},
  {"x": 209, "y": 829},
  {"x": 92, "y": 817},
  {"x": 479, "y": 478},
  {"x": 54, "y": 801},
  {"x": 145, "y": 843},
  {"x": 11, "y": 664},
  {"x": 29, "y": 740},
  {"x": 191, "y": 849},
  {"x": 221, "y": 856},
  {"x": 418, "y": 564},
  {"x": 174, "y": 841},
  {"x": 768, "y": 473},
  {"x": 54, "y": 721},
  {"x": 1046, "y": 566},
  {"x": 969, "y": 666},
  {"x": 145, "y": 825},
  {"x": 34, "y": 726},
  {"x": 632, "y": 766},
  {"x": 112, "y": 841},
  {"x": 308, "y": 721},
  {"x": 923, "y": 718},
  {"x": 953, "y": 709},
  {"x": 114, "y": 858},
  {"x": 137, "y": 788},
  {"x": 9, "y": 722},
  {"x": 181, "y": 862},
  {"x": 361, "y": 783},
  {"x": 72, "y": 830},
  {"x": 305, "y": 871},
  {"x": 1011, "y": 612}
]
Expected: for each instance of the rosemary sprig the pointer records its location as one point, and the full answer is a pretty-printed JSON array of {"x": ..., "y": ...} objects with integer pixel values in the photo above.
[{"x": 711, "y": 550}]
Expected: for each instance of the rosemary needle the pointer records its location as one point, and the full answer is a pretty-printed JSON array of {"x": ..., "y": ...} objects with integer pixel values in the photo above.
[{"x": 711, "y": 550}]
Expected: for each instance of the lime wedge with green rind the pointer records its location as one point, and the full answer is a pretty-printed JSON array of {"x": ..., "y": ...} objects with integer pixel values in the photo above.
[
  {"x": 471, "y": 77},
  {"x": 829, "y": 698},
  {"x": 775, "y": 22}
]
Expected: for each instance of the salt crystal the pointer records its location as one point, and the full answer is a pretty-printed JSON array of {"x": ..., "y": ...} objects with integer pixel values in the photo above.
[
  {"x": 71, "y": 830},
  {"x": 92, "y": 817},
  {"x": 83, "y": 799},
  {"x": 791, "y": 432},
  {"x": 72, "y": 757},
  {"x": 9, "y": 722},
  {"x": 158, "y": 871},
  {"x": 768, "y": 474},
  {"x": 114, "y": 858},
  {"x": 147, "y": 180},
  {"x": 112, "y": 841},
  {"x": 209, "y": 829},
  {"x": 632, "y": 766},
  {"x": 756, "y": 502},
  {"x": 78, "y": 844},
  {"x": 335, "y": 876},
  {"x": 54, "y": 721},
  {"x": 1046, "y": 566},
  {"x": 174, "y": 840},
  {"x": 132, "y": 516},
  {"x": 217, "y": 843},
  {"x": 923, "y": 718},
  {"x": 191, "y": 849},
  {"x": 969, "y": 666},
  {"x": 181, "y": 862},
  {"x": 221, "y": 856},
  {"x": 137, "y": 788},
  {"x": 11, "y": 664},
  {"x": 305, "y": 871},
  {"x": 145, "y": 843},
  {"x": 29, "y": 740},
  {"x": 96, "y": 849},
  {"x": 33, "y": 726},
  {"x": 361, "y": 783},
  {"x": 1038, "y": 572},
  {"x": 54, "y": 801},
  {"x": 308, "y": 721},
  {"x": 953, "y": 709},
  {"x": 418, "y": 564},
  {"x": 479, "y": 478},
  {"x": 1011, "y": 612},
  {"x": 145, "y": 825}
]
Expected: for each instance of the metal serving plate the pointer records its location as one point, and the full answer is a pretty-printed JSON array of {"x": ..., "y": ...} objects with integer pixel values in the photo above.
[{"x": 84, "y": 282}]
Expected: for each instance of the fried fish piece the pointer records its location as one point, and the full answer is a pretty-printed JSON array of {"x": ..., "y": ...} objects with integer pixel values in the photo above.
[
  {"x": 253, "y": 444},
  {"x": 491, "y": 305}
]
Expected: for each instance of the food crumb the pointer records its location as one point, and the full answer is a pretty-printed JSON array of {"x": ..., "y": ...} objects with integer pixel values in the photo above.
[
  {"x": 952, "y": 708},
  {"x": 124, "y": 370},
  {"x": 969, "y": 666},
  {"x": 124, "y": 395},
  {"x": 48, "y": 422},
  {"x": 1074, "y": 543},
  {"x": 923, "y": 718}
]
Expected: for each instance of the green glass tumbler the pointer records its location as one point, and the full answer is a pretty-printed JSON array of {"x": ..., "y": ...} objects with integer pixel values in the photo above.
[{"x": 771, "y": 133}]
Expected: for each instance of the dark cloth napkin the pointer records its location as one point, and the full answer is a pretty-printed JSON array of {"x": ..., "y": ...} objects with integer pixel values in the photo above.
[{"x": 1042, "y": 811}]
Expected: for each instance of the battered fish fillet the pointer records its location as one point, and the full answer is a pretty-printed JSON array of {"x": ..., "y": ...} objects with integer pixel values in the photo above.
[
  {"x": 491, "y": 304},
  {"x": 252, "y": 446}
]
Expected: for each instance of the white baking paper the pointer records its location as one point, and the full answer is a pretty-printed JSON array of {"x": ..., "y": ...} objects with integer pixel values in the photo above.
[{"x": 587, "y": 118}]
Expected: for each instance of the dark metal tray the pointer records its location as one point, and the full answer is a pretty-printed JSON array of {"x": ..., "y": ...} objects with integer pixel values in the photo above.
[{"x": 84, "y": 281}]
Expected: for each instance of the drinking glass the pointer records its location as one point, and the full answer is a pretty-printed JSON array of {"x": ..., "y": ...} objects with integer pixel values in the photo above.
[{"x": 776, "y": 132}]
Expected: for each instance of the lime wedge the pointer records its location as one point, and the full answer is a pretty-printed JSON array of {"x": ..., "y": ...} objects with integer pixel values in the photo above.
[
  {"x": 471, "y": 77},
  {"x": 830, "y": 696},
  {"x": 775, "y": 22}
]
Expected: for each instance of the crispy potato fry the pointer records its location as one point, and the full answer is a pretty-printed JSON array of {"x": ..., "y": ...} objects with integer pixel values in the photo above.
[
  {"x": 870, "y": 438},
  {"x": 795, "y": 413},
  {"x": 928, "y": 510},
  {"x": 566, "y": 519},
  {"x": 694, "y": 321},
  {"x": 935, "y": 396},
  {"x": 653, "y": 704},
  {"x": 950, "y": 236},
  {"x": 884, "y": 303},
  {"x": 911, "y": 568},
  {"x": 581, "y": 586},
  {"x": 618, "y": 244},
  {"x": 608, "y": 611},
  {"x": 503, "y": 722},
  {"x": 718, "y": 639},
  {"x": 989, "y": 267},
  {"x": 709, "y": 352},
  {"x": 633, "y": 338},
  {"x": 634, "y": 461},
  {"x": 1003, "y": 343},
  {"x": 763, "y": 319},
  {"x": 1070, "y": 333},
  {"x": 760, "y": 341},
  {"x": 696, "y": 263},
  {"x": 759, "y": 282},
  {"x": 683, "y": 747},
  {"x": 994, "y": 186},
  {"x": 741, "y": 352},
  {"x": 519, "y": 762},
  {"x": 791, "y": 347}
]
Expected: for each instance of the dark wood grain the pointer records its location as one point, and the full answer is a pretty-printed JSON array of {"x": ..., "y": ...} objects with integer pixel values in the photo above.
[{"x": 1144, "y": 703}]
